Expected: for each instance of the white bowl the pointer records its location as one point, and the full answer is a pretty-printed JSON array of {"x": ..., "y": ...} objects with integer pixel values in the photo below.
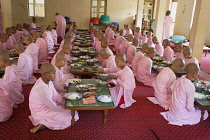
[{"x": 74, "y": 81}]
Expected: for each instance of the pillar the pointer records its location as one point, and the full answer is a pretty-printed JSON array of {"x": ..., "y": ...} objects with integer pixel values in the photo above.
[
  {"x": 159, "y": 18},
  {"x": 6, "y": 10},
  {"x": 139, "y": 13},
  {"x": 184, "y": 16},
  {"x": 199, "y": 28}
]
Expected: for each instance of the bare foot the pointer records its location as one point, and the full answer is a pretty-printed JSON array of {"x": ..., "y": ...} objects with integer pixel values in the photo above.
[
  {"x": 15, "y": 105},
  {"x": 37, "y": 128}
]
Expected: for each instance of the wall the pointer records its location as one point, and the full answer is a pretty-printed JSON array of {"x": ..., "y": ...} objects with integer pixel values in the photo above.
[{"x": 121, "y": 11}]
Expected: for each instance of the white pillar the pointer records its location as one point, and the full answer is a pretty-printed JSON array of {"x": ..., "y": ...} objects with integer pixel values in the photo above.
[
  {"x": 159, "y": 18},
  {"x": 6, "y": 10},
  {"x": 199, "y": 27},
  {"x": 139, "y": 13}
]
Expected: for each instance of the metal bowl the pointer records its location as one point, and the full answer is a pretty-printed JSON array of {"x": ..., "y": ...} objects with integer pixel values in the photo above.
[
  {"x": 84, "y": 52},
  {"x": 199, "y": 87},
  {"x": 76, "y": 51},
  {"x": 91, "y": 62},
  {"x": 168, "y": 62},
  {"x": 102, "y": 77},
  {"x": 86, "y": 69},
  {"x": 85, "y": 57},
  {"x": 75, "y": 58},
  {"x": 92, "y": 51},
  {"x": 159, "y": 68},
  {"x": 82, "y": 88},
  {"x": 208, "y": 89},
  {"x": 155, "y": 66}
]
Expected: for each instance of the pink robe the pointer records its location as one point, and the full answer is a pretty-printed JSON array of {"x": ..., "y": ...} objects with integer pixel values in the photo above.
[
  {"x": 25, "y": 68},
  {"x": 144, "y": 73},
  {"x": 143, "y": 40},
  {"x": 191, "y": 60},
  {"x": 137, "y": 35},
  {"x": 12, "y": 78},
  {"x": 109, "y": 62},
  {"x": 13, "y": 39},
  {"x": 111, "y": 37},
  {"x": 59, "y": 81},
  {"x": 168, "y": 53},
  {"x": 46, "y": 107},
  {"x": 118, "y": 43},
  {"x": 61, "y": 26},
  {"x": 137, "y": 57},
  {"x": 6, "y": 104},
  {"x": 181, "y": 109},
  {"x": 55, "y": 36},
  {"x": 25, "y": 32},
  {"x": 33, "y": 25},
  {"x": 33, "y": 50},
  {"x": 159, "y": 49},
  {"x": 162, "y": 85},
  {"x": 125, "y": 86},
  {"x": 10, "y": 44},
  {"x": 19, "y": 35},
  {"x": 125, "y": 47},
  {"x": 167, "y": 27},
  {"x": 130, "y": 54},
  {"x": 128, "y": 32},
  {"x": 43, "y": 50},
  {"x": 107, "y": 31},
  {"x": 98, "y": 46},
  {"x": 180, "y": 55},
  {"x": 149, "y": 41},
  {"x": 47, "y": 35},
  {"x": 3, "y": 46}
]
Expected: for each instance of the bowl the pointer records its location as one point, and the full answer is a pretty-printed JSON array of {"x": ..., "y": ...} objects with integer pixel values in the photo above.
[
  {"x": 85, "y": 57},
  {"x": 75, "y": 58},
  {"x": 199, "y": 86},
  {"x": 76, "y": 65},
  {"x": 102, "y": 77},
  {"x": 75, "y": 51},
  {"x": 84, "y": 52},
  {"x": 91, "y": 62},
  {"x": 168, "y": 62},
  {"x": 74, "y": 81},
  {"x": 92, "y": 51},
  {"x": 82, "y": 88},
  {"x": 86, "y": 69},
  {"x": 159, "y": 68},
  {"x": 73, "y": 95},
  {"x": 101, "y": 82},
  {"x": 155, "y": 66},
  {"x": 88, "y": 94},
  {"x": 208, "y": 89}
]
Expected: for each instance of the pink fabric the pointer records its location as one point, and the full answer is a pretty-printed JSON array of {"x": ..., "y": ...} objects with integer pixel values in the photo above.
[
  {"x": 12, "y": 78},
  {"x": 191, "y": 60},
  {"x": 168, "y": 53},
  {"x": 180, "y": 55},
  {"x": 118, "y": 43},
  {"x": 125, "y": 47},
  {"x": 13, "y": 39},
  {"x": 143, "y": 40},
  {"x": 144, "y": 73},
  {"x": 149, "y": 41},
  {"x": 98, "y": 46},
  {"x": 33, "y": 50},
  {"x": 43, "y": 50},
  {"x": 46, "y": 107},
  {"x": 137, "y": 35},
  {"x": 167, "y": 27},
  {"x": 137, "y": 57},
  {"x": 33, "y": 25},
  {"x": 25, "y": 32},
  {"x": 181, "y": 109},
  {"x": 55, "y": 36},
  {"x": 6, "y": 104},
  {"x": 10, "y": 44},
  {"x": 128, "y": 32},
  {"x": 3, "y": 46},
  {"x": 111, "y": 37},
  {"x": 125, "y": 86},
  {"x": 47, "y": 35},
  {"x": 110, "y": 62},
  {"x": 61, "y": 26},
  {"x": 25, "y": 68},
  {"x": 162, "y": 85},
  {"x": 130, "y": 54},
  {"x": 159, "y": 49},
  {"x": 59, "y": 81},
  {"x": 19, "y": 36},
  {"x": 107, "y": 31},
  {"x": 61, "y": 45}
]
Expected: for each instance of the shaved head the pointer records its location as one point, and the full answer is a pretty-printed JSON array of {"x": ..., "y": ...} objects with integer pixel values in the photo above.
[
  {"x": 28, "y": 38},
  {"x": 192, "y": 67},
  {"x": 60, "y": 56},
  {"x": 178, "y": 62},
  {"x": 166, "y": 41},
  {"x": 4, "y": 35},
  {"x": 102, "y": 35},
  {"x": 122, "y": 32},
  {"x": 43, "y": 27},
  {"x": 19, "y": 46},
  {"x": 104, "y": 52},
  {"x": 5, "y": 57},
  {"x": 36, "y": 34},
  {"x": 8, "y": 29},
  {"x": 105, "y": 41},
  {"x": 151, "y": 50},
  {"x": 135, "y": 40},
  {"x": 67, "y": 45},
  {"x": 121, "y": 57},
  {"x": 155, "y": 38},
  {"x": 187, "y": 51},
  {"x": 179, "y": 45},
  {"x": 47, "y": 68},
  {"x": 130, "y": 36},
  {"x": 145, "y": 48}
]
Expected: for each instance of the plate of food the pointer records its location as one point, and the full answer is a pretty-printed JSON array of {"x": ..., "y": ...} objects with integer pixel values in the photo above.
[
  {"x": 73, "y": 96},
  {"x": 76, "y": 65},
  {"x": 74, "y": 81},
  {"x": 90, "y": 85},
  {"x": 88, "y": 94},
  {"x": 82, "y": 88},
  {"x": 86, "y": 69},
  {"x": 94, "y": 89},
  {"x": 105, "y": 98}
]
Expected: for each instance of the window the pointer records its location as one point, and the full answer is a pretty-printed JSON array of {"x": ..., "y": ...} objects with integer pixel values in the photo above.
[
  {"x": 98, "y": 8},
  {"x": 36, "y": 8},
  {"x": 148, "y": 10}
]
